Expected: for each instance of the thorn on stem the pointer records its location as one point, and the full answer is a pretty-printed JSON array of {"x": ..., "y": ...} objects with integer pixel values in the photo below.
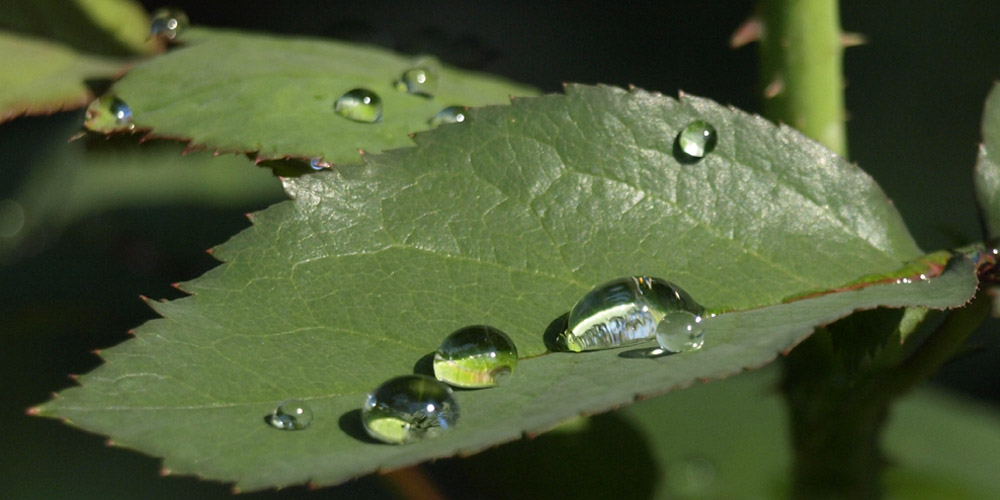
[
  {"x": 774, "y": 88},
  {"x": 748, "y": 32}
]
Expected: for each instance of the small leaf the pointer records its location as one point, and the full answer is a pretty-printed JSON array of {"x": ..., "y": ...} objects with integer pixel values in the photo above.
[
  {"x": 71, "y": 181},
  {"x": 987, "y": 175},
  {"x": 275, "y": 96},
  {"x": 44, "y": 77},
  {"x": 505, "y": 220},
  {"x": 939, "y": 445}
]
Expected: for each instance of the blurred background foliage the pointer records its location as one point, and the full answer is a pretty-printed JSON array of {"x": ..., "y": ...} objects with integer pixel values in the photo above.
[{"x": 108, "y": 220}]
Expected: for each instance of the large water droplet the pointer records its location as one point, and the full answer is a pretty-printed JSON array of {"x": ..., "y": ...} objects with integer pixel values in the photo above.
[
  {"x": 409, "y": 408},
  {"x": 291, "y": 415},
  {"x": 168, "y": 23},
  {"x": 680, "y": 331},
  {"x": 475, "y": 356},
  {"x": 696, "y": 140},
  {"x": 451, "y": 114},
  {"x": 420, "y": 81},
  {"x": 622, "y": 312},
  {"x": 360, "y": 105}
]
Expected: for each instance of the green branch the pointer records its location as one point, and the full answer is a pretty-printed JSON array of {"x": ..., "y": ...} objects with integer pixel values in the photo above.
[{"x": 801, "y": 68}]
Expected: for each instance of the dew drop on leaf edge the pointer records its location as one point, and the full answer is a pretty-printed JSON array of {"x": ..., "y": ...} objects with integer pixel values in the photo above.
[
  {"x": 696, "y": 141},
  {"x": 108, "y": 112},
  {"x": 419, "y": 81},
  {"x": 318, "y": 164},
  {"x": 451, "y": 114},
  {"x": 681, "y": 331},
  {"x": 168, "y": 23},
  {"x": 622, "y": 312},
  {"x": 360, "y": 105},
  {"x": 291, "y": 415},
  {"x": 409, "y": 408},
  {"x": 475, "y": 356}
]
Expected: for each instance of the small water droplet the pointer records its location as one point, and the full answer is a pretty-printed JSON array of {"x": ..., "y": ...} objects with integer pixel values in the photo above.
[
  {"x": 109, "y": 113},
  {"x": 475, "y": 356},
  {"x": 680, "y": 331},
  {"x": 695, "y": 142},
  {"x": 451, "y": 114},
  {"x": 409, "y": 408},
  {"x": 360, "y": 105},
  {"x": 11, "y": 218},
  {"x": 291, "y": 415},
  {"x": 622, "y": 312},
  {"x": 691, "y": 478},
  {"x": 421, "y": 81},
  {"x": 168, "y": 23},
  {"x": 318, "y": 164}
]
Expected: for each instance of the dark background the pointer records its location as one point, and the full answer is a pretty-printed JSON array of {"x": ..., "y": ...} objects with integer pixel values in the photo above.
[{"x": 914, "y": 97}]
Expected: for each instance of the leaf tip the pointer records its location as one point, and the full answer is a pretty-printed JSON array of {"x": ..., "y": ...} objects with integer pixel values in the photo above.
[
  {"x": 164, "y": 472},
  {"x": 110, "y": 443},
  {"x": 73, "y": 376},
  {"x": 33, "y": 411},
  {"x": 210, "y": 251},
  {"x": 96, "y": 352}
]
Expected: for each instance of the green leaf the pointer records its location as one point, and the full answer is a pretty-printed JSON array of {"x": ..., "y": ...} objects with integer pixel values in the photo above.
[
  {"x": 107, "y": 27},
  {"x": 987, "y": 175},
  {"x": 46, "y": 77},
  {"x": 232, "y": 91},
  {"x": 507, "y": 220}
]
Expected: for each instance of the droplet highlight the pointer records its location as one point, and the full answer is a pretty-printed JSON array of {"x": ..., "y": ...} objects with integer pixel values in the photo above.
[
  {"x": 622, "y": 312},
  {"x": 168, "y": 23},
  {"x": 421, "y": 81},
  {"x": 360, "y": 105},
  {"x": 696, "y": 141},
  {"x": 291, "y": 415},
  {"x": 475, "y": 356},
  {"x": 409, "y": 408},
  {"x": 451, "y": 114},
  {"x": 681, "y": 331}
]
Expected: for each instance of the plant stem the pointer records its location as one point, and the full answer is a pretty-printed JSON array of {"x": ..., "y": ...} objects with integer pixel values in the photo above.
[{"x": 801, "y": 68}]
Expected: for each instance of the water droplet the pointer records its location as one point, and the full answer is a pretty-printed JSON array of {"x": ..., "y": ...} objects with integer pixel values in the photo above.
[
  {"x": 318, "y": 164},
  {"x": 11, "y": 218},
  {"x": 451, "y": 114},
  {"x": 420, "y": 81},
  {"x": 475, "y": 356},
  {"x": 168, "y": 23},
  {"x": 360, "y": 105},
  {"x": 622, "y": 312},
  {"x": 680, "y": 331},
  {"x": 696, "y": 140},
  {"x": 409, "y": 408},
  {"x": 291, "y": 415},
  {"x": 692, "y": 477},
  {"x": 109, "y": 113}
]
